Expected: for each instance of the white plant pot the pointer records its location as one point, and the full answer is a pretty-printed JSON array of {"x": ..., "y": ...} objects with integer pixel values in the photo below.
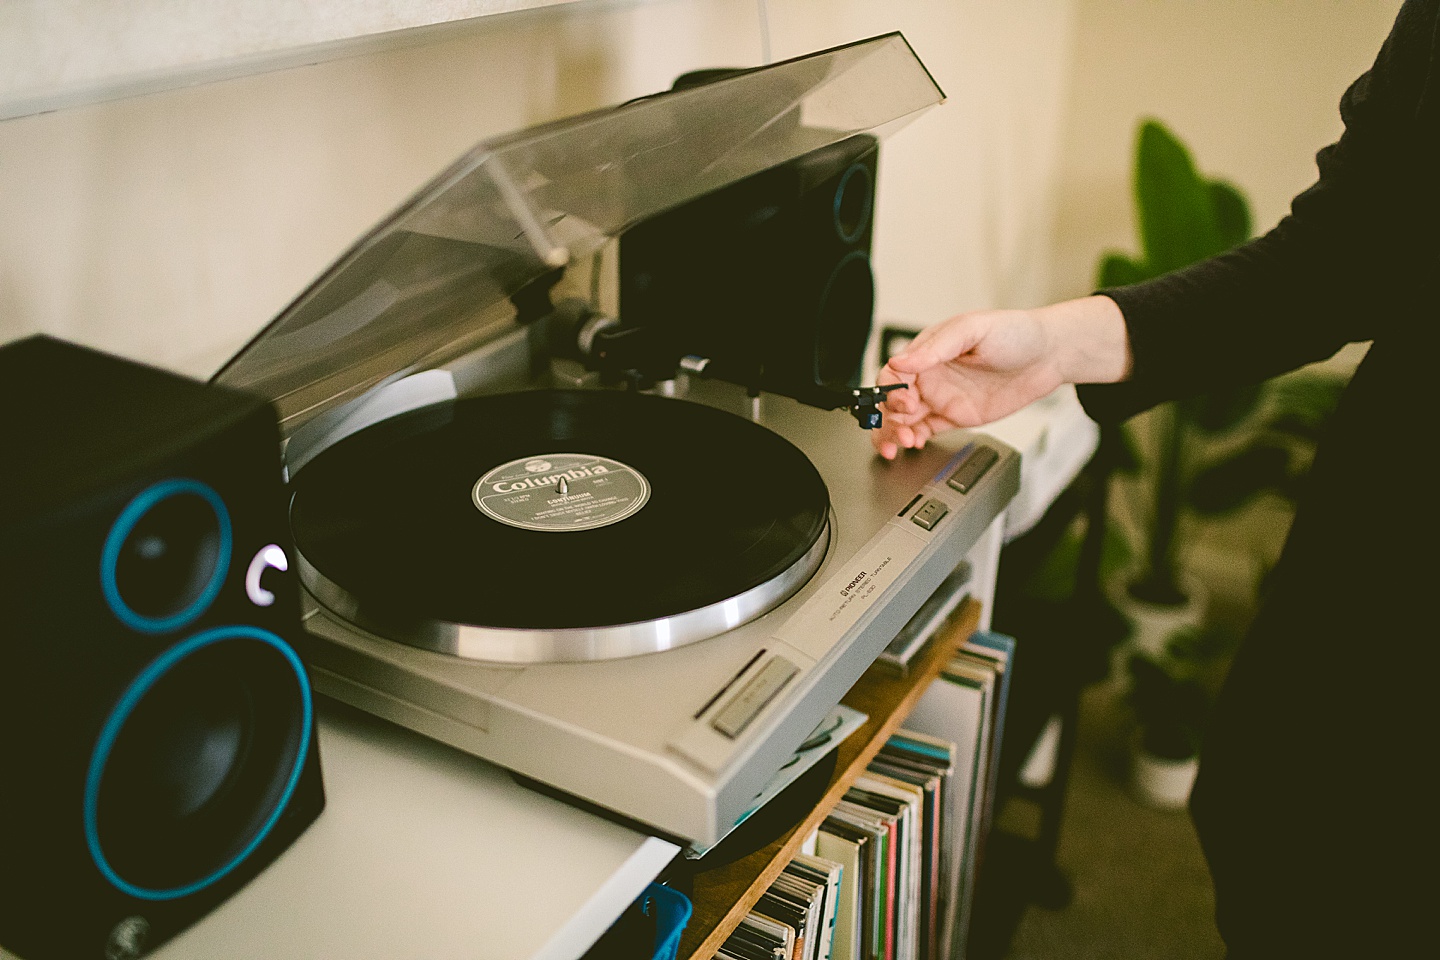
[
  {"x": 1153, "y": 624},
  {"x": 1161, "y": 783}
]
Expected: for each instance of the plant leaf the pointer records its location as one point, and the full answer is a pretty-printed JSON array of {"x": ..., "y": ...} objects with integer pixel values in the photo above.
[
  {"x": 1178, "y": 224},
  {"x": 1126, "y": 450},
  {"x": 1223, "y": 410},
  {"x": 1304, "y": 403},
  {"x": 1232, "y": 213},
  {"x": 1118, "y": 270},
  {"x": 1231, "y": 483}
]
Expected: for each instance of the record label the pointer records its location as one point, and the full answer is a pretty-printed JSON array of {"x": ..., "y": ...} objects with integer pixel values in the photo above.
[{"x": 561, "y": 492}]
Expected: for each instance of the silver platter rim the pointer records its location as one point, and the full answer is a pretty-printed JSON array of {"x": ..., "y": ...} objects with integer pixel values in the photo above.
[{"x": 579, "y": 644}]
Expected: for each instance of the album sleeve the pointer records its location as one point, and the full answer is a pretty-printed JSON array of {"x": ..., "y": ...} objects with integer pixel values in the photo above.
[{"x": 1355, "y": 255}]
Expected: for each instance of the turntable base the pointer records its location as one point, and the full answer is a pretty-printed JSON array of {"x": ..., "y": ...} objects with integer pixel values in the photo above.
[{"x": 684, "y": 740}]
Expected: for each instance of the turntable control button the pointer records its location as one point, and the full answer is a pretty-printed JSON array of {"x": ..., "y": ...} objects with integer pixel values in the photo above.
[
  {"x": 972, "y": 468},
  {"x": 747, "y": 704},
  {"x": 929, "y": 514}
]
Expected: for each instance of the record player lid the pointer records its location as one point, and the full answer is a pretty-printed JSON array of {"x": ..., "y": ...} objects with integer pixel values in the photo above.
[{"x": 410, "y": 294}]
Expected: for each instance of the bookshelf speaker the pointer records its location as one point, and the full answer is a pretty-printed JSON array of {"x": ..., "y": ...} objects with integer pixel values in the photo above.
[
  {"x": 157, "y": 734},
  {"x": 768, "y": 278}
]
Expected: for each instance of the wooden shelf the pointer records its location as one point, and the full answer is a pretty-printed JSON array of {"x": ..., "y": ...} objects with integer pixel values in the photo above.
[{"x": 724, "y": 895}]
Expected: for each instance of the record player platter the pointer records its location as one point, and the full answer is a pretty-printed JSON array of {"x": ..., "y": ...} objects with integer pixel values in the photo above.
[{"x": 558, "y": 525}]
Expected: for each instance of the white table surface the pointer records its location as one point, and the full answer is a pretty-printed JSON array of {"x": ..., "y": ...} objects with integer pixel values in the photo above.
[
  {"x": 1056, "y": 440},
  {"x": 425, "y": 852}
]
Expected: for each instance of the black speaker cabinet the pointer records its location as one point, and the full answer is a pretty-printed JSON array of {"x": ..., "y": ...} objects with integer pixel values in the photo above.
[
  {"x": 157, "y": 734},
  {"x": 768, "y": 278}
]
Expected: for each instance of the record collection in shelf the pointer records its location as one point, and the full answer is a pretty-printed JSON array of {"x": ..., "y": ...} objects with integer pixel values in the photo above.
[{"x": 884, "y": 867}]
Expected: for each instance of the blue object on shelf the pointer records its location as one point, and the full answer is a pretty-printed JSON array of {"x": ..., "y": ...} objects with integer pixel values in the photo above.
[{"x": 671, "y": 910}]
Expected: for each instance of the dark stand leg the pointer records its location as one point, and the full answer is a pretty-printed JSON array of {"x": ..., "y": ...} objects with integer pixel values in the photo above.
[{"x": 1064, "y": 646}]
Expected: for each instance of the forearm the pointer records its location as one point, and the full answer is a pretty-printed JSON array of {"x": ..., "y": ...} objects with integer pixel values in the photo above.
[{"x": 1088, "y": 339}]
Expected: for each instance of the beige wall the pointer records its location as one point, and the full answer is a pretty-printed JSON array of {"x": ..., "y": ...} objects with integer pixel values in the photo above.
[
  {"x": 1253, "y": 87},
  {"x": 170, "y": 227}
]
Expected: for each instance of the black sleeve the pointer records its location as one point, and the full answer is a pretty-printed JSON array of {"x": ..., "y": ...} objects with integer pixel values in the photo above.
[{"x": 1353, "y": 256}]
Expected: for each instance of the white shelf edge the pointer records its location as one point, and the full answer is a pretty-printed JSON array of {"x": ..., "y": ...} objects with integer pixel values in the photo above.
[
  {"x": 617, "y": 893},
  {"x": 57, "y": 54}
]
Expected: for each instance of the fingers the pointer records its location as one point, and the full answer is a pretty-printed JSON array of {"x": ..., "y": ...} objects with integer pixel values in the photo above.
[
  {"x": 899, "y": 406},
  {"x": 890, "y": 438},
  {"x": 920, "y": 434},
  {"x": 938, "y": 344},
  {"x": 898, "y": 401},
  {"x": 885, "y": 441},
  {"x": 914, "y": 415},
  {"x": 893, "y": 437}
]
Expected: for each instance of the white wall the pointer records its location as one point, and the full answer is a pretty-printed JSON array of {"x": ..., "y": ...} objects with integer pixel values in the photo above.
[
  {"x": 170, "y": 227},
  {"x": 1252, "y": 86}
]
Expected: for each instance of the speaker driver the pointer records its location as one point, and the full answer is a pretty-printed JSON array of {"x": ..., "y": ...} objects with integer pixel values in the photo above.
[
  {"x": 854, "y": 201},
  {"x": 197, "y": 762},
  {"x": 843, "y": 321},
  {"x": 166, "y": 556}
]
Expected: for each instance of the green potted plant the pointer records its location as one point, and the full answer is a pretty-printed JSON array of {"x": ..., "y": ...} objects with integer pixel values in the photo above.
[
  {"x": 1171, "y": 706},
  {"x": 1208, "y": 456},
  {"x": 1182, "y": 218}
]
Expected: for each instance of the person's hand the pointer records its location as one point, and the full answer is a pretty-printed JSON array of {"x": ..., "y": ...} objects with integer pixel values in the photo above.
[
  {"x": 968, "y": 370},
  {"x": 978, "y": 367}
]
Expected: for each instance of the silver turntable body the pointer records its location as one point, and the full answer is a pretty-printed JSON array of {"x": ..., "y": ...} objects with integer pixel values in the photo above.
[
  {"x": 678, "y": 721},
  {"x": 684, "y": 739}
]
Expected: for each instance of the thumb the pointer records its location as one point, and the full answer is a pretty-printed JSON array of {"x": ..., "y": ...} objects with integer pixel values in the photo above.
[
  {"x": 889, "y": 375},
  {"x": 938, "y": 344}
]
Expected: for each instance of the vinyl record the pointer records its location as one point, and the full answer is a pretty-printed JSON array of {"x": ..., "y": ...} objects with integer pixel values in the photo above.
[{"x": 557, "y": 511}]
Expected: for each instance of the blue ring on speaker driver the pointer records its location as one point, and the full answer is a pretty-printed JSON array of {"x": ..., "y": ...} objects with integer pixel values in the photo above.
[
  {"x": 864, "y": 221},
  {"x": 116, "y": 722},
  {"x": 129, "y": 517}
]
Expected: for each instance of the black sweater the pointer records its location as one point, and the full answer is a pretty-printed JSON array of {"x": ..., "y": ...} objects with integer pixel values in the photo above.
[{"x": 1315, "y": 802}]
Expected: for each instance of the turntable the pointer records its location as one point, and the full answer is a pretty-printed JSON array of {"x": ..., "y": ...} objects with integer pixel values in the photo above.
[{"x": 637, "y": 561}]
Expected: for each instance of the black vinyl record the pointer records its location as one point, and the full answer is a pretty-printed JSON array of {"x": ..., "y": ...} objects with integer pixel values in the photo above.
[{"x": 556, "y": 510}]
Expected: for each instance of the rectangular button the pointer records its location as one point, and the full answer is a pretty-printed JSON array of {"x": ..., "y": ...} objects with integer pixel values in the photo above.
[
  {"x": 972, "y": 468},
  {"x": 929, "y": 514},
  {"x": 747, "y": 704}
]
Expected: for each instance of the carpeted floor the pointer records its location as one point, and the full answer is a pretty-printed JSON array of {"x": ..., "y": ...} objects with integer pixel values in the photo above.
[{"x": 1138, "y": 884}]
